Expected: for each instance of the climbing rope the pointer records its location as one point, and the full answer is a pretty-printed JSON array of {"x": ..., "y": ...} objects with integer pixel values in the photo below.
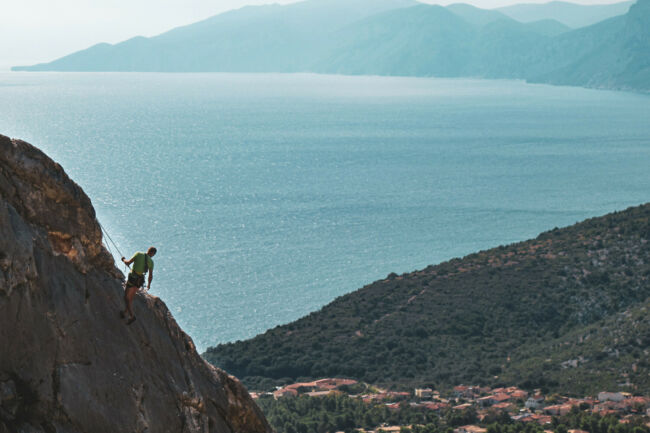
[
  {"x": 114, "y": 244},
  {"x": 109, "y": 249}
]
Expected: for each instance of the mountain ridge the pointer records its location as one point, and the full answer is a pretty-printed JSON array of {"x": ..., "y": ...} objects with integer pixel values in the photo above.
[
  {"x": 391, "y": 37},
  {"x": 570, "y": 14},
  {"x": 612, "y": 47}
]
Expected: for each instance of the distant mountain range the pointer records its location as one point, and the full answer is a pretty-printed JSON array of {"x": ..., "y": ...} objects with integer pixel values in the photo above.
[
  {"x": 570, "y": 14},
  {"x": 267, "y": 38},
  {"x": 567, "y": 311},
  {"x": 398, "y": 37}
]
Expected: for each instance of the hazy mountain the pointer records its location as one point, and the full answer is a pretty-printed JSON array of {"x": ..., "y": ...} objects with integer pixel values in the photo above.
[
  {"x": 570, "y": 14},
  {"x": 476, "y": 16},
  {"x": 251, "y": 39},
  {"x": 482, "y": 17},
  {"x": 471, "y": 319},
  {"x": 429, "y": 40},
  {"x": 612, "y": 54},
  {"x": 548, "y": 27},
  {"x": 461, "y": 40},
  {"x": 505, "y": 48},
  {"x": 388, "y": 37},
  {"x": 424, "y": 40}
]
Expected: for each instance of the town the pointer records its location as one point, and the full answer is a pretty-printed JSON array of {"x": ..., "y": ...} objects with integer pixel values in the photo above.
[{"x": 485, "y": 402}]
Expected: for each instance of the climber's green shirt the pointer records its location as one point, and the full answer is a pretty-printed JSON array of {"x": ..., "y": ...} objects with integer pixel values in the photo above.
[{"x": 138, "y": 262}]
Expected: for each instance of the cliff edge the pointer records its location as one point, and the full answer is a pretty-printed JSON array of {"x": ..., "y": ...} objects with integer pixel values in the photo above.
[{"x": 67, "y": 362}]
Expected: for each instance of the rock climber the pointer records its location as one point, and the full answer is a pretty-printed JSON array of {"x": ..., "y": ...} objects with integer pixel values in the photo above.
[{"x": 142, "y": 263}]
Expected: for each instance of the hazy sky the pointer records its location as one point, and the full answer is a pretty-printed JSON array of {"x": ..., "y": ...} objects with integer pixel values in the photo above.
[{"x": 33, "y": 31}]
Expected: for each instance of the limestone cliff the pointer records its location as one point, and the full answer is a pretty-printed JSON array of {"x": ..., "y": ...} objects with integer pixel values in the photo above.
[{"x": 67, "y": 362}]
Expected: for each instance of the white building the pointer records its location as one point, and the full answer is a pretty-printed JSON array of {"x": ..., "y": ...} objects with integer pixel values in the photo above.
[
  {"x": 535, "y": 402},
  {"x": 610, "y": 396}
]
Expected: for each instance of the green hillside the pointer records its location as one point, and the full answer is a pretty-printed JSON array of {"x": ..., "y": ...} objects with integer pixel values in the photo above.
[
  {"x": 460, "y": 321},
  {"x": 610, "y": 354}
]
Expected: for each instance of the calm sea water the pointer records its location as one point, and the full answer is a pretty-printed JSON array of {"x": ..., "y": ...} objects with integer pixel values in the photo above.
[{"x": 270, "y": 195}]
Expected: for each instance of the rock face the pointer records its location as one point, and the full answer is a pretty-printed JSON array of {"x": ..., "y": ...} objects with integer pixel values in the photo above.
[{"x": 67, "y": 361}]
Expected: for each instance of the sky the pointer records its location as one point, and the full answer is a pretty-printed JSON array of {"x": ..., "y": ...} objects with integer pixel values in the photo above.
[{"x": 35, "y": 31}]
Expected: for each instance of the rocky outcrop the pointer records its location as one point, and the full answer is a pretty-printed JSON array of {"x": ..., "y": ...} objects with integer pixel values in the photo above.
[{"x": 67, "y": 361}]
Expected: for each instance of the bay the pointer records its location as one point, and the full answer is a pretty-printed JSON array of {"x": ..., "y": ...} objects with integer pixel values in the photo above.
[{"x": 268, "y": 195}]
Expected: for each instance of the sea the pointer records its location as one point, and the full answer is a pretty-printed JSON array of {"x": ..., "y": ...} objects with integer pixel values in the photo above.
[{"x": 269, "y": 195}]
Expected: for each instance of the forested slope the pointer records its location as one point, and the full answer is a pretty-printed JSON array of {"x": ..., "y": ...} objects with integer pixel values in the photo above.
[
  {"x": 464, "y": 320},
  {"x": 610, "y": 354}
]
